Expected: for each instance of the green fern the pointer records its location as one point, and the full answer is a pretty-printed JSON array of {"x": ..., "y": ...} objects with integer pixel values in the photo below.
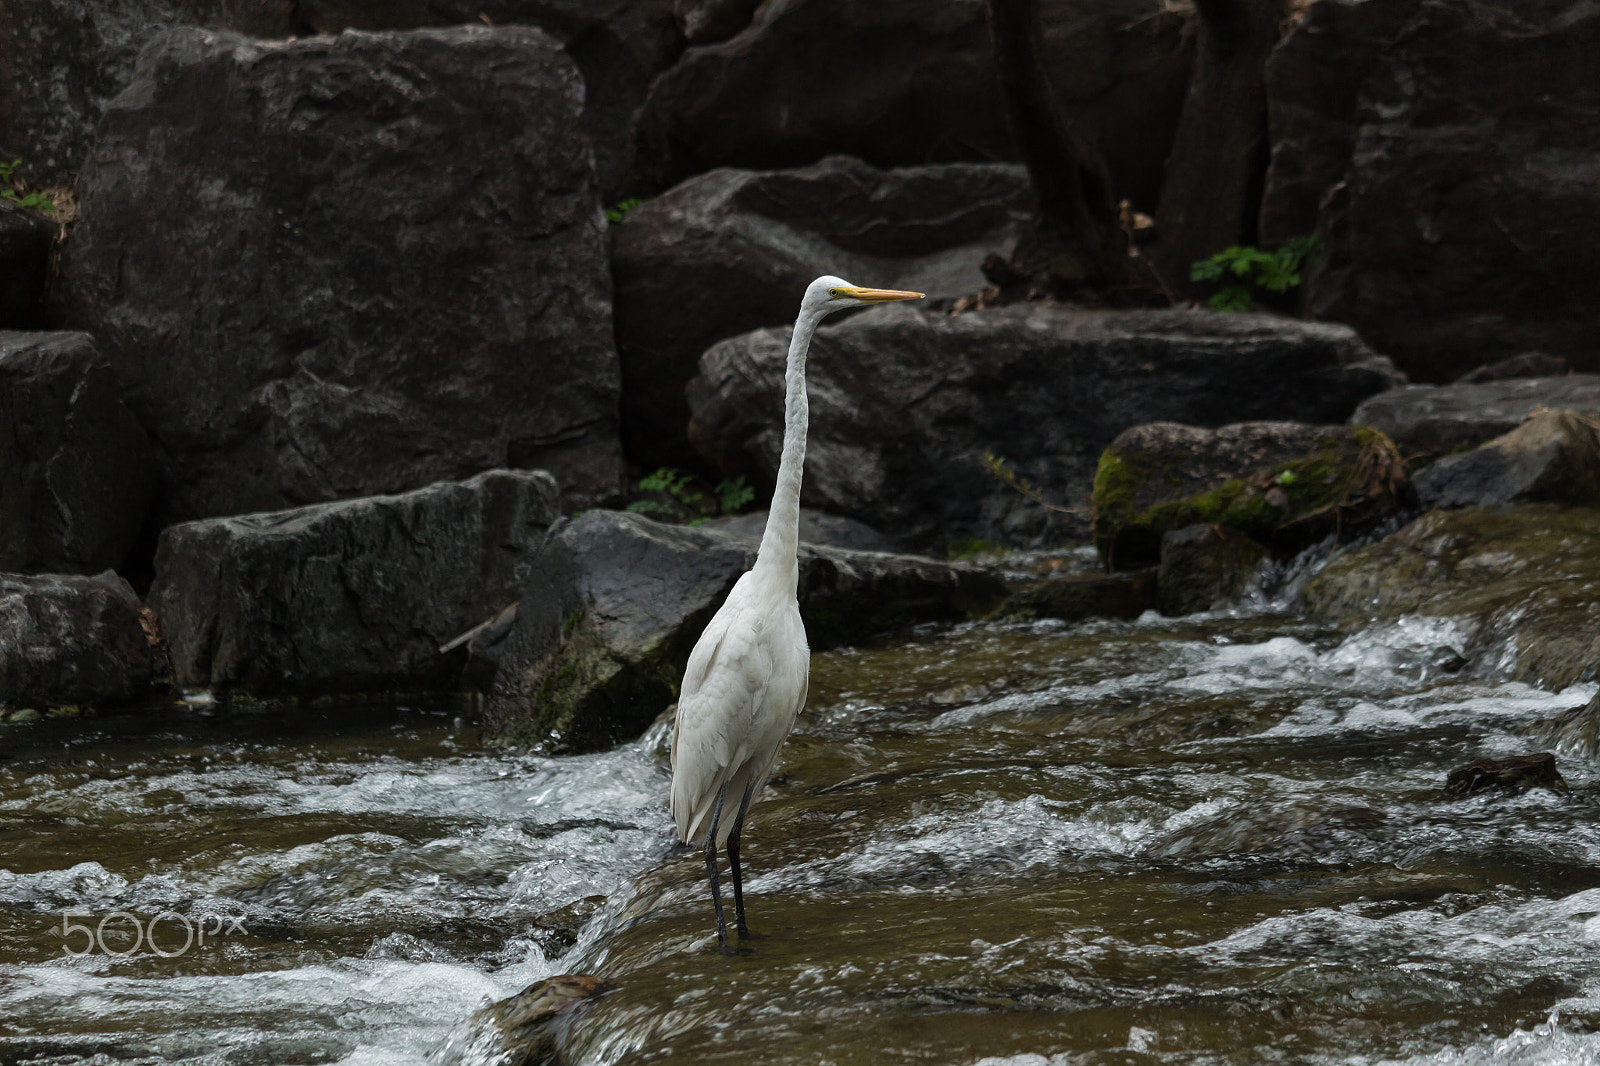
[{"x": 1240, "y": 271}]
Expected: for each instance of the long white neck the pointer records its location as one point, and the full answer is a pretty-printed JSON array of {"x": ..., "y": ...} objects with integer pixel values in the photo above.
[{"x": 781, "y": 541}]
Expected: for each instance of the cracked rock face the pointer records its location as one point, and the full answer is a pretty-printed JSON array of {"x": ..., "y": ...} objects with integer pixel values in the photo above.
[{"x": 351, "y": 265}]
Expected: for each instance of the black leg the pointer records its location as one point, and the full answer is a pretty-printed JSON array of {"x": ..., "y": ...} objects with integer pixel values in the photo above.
[
  {"x": 711, "y": 872},
  {"x": 733, "y": 861}
]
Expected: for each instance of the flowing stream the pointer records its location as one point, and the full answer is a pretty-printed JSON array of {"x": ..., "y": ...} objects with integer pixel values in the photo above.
[{"x": 1220, "y": 839}]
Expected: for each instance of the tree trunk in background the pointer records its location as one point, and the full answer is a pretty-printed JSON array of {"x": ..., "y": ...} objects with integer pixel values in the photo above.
[
  {"x": 1079, "y": 239},
  {"x": 1212, "y": 190}
]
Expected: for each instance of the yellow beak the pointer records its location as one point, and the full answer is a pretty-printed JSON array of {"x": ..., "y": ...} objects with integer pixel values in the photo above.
[{"x": 879, "y": 296}]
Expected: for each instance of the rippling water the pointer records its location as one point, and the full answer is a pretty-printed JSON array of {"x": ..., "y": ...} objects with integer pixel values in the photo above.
[{"x": 1212, "y": 840}]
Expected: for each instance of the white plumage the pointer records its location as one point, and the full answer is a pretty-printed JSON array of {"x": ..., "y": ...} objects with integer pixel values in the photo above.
[{"x": 747, "y": 676}]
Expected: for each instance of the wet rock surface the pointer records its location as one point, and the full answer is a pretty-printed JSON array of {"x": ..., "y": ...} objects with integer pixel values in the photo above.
[
  {"x": 1205, "y": 567},
  {"x": 1521, "y": 578},
  {"x": 904, "y": 404},
  {"x": 1554, "y": 457},
  {"x": 369, "y": 323},
  {"x": 69, "y": 640},
  {"x": 1427, "y": 421},
  {"x": 1074, "y": 597},
  {"x": 355, "y": 595},
  {"x": 77, "y": 473},
  {"x": 519, "y": 1029},
  {"x": 1285, "y": 484},
  {"x": 615, "y": 602},
  {"x": 1515, "y": 774},
  {"x": 727, "y": 252}
]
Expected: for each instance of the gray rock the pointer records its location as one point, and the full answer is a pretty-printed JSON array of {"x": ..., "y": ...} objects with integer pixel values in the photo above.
[
  {"x": 709, "y": 21},
  {"x": 1526, "y": 365},
  {"x": 77, "y": 473},
  {"x": 732, "y": 250},
  {"x": 1459, "y": 227},
  {"x": 71, "y": 639},
  {"x": 62, "y": 61},
  {"x": 904, "y": 404},
  {"x": 616, "y": 602},
  {"x": 1205, "y": 567},
  {"x": 356, "y": 303},
  {"x": 356, "y": 595},
  {"x": 1554, "y": 456},
  {"x": 1432, "y": 420},
  {"x": 901, "y": 82},
  {"x": 1073, "y": 597},
  {"x": 26, "y": 238},
  {"x": 816, "y": 527},
  {"x": 1286, "y": 484},
  {"x": 1517, "y": 773}
]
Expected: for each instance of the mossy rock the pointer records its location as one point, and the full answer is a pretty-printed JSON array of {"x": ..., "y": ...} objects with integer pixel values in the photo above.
[
  {"x": 1284, "y": 484},
  {"x": 1525, "y": 580}
]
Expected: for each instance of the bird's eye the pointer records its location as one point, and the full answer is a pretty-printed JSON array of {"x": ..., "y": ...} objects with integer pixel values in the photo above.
[{"x": 836, "y": 293}]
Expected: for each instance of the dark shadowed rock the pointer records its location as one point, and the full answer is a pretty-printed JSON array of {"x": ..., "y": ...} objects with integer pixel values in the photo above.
[
  {"x": 1205, "y": 568},
  {"x": 616, "y": 602},
  {"x": 1515, "y": 774},
  {"x": 1286, "y": 484},
  {"x": 1521, "y": 579},
  {"x": 1526, "y": 365},
  {"x": 900, "y": 82},
  {"x": 1074, "y": 597},
  {"x": 26, "y": 238},
  {"x": 347, "y": 596},
  {"x": 816, "y": 527},
  {"x": 1554, "y": 456},
  {"x": 61, "y": 62},
  {"x": 1460, "y": 229},
  {"x": 1432, "y": 420},
  {"x": 709, "y": 21},
  {"x": 516, "y": 1031},
  {"x": 619, "y": 45},
  {"x": 904, "y": 404},
  {"x": 70, "y": 639},
  {"x": 77, "y": 474},
  {"x": 733, "y": 250},
  {"x": 381, "y": 264}
]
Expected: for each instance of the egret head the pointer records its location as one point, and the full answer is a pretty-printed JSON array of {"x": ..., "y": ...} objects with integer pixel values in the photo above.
[{"x": 828, "y": 294}]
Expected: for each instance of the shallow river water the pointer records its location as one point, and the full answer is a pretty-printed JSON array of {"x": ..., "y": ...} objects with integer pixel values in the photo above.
[{"x": 1210, "y": 840}]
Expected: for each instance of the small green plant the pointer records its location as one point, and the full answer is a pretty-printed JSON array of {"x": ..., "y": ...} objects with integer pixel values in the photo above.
[
  {"x": 683, "y": 503},
  {"x": 620, "y": 210},
  {"x": 12, "y": 190},
  {"x": 1003, "y": 473},
  {"x": 1243, "y": 271}
]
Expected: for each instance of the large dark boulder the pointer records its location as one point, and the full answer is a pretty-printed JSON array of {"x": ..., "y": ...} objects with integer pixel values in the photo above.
[
  {"x": 899, "y": 82},
  {"x": 733, "y": 250},
  {"x": 904, "y": 404},
  {"x": 1554, "y": 456},
  {"x": 26, "y": 239},
  {"x": 1285, "y": 484},
  {"x": 71, "y": 639},
  {"x": 1427, "y": 421},
  {"x": 616, "y": 602},
  {"x": 355, "y": 595},
  {"x": 77, "y": 473},
  {"x": 1450, "y": 149},
  {"x": 619, "y": 45},
  {"x": 61, "y": 62},
  {"x": 1520, "y": 580},
  {"x": 351, "y": 265}
]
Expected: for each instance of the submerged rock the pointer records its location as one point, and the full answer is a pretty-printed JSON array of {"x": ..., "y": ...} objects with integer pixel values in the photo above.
[
  {"x": 616, "y": 601},
  {"x": 732, "y": 250},
  {"x": 356, "y": 595},
  {"x": 1285, "y": 484},
  {"x": 517, "y": 1030},
  {"x": 71, "y": 639},
  {"x": 1515, "y": 774},
  {"x": 316, "y": 300},
  {"x": 77, "y": 473},
  {"x": 1522, "y": 578},
  {"x": 1074, "y": 597},
  {"x": 1554, "y": 456},
  {"x": 1205, "y": 567},
  {"x": 1432, "y": 420},
  {"x": 904, "y": 404}
]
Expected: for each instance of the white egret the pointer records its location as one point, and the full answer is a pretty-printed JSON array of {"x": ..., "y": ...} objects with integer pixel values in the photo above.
[{"x": 747, "y": 676}]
